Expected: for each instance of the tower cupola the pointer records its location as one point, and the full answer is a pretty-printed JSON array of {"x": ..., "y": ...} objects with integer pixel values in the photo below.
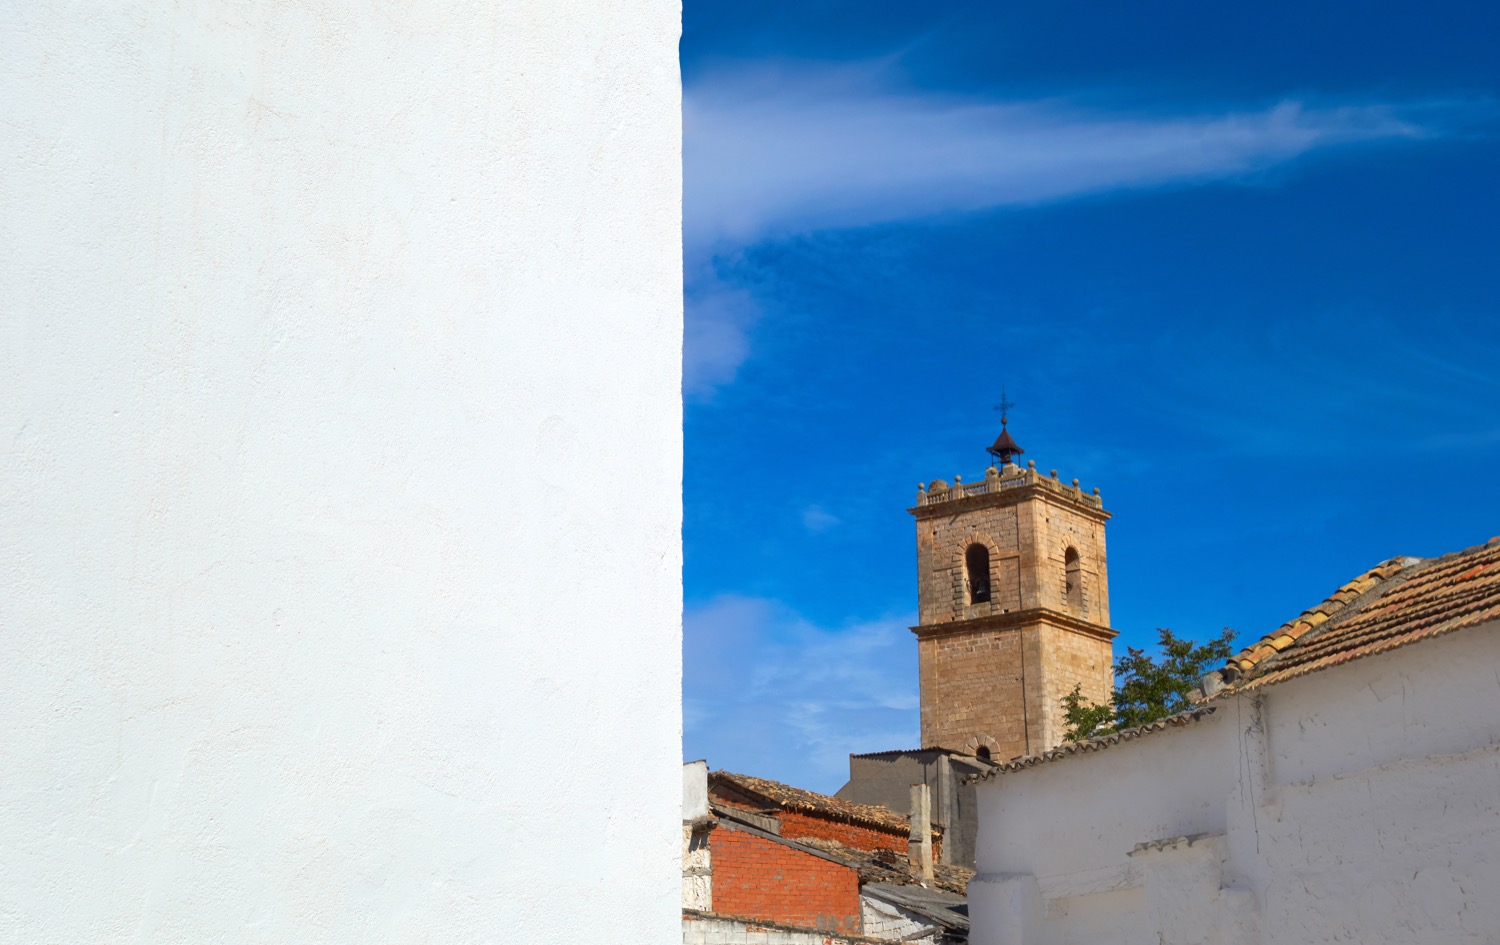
[{"x": 1005, "y": 449}]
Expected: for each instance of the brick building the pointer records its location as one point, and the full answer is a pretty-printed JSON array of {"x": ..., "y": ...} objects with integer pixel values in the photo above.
[
  {"x": 756, "y": 875},
  {"x": 769, "y": 862},
  {"x": 806, "y": 815},
  {"x": 884, "y": 779}
]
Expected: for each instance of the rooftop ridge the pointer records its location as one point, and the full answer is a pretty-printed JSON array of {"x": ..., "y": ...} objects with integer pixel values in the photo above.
[
  {"x": 804, "y": 801},
  {"x": 1099, "y": 743},
  {"x": 1397, "y": 603},
  {"x": 1296, "y": 628},
  {"x": 912, "y": 751}
]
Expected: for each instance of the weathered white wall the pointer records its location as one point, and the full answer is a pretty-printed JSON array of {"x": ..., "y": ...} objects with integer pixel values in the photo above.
[
  {"x": 1385, "y": 799},
  {"x": 695, "y": 791},
  {"x": 1055, "y": 840},
  {"x": 697, "y": 855},
  {"x": 1357, "y": 803},
  {"x": 339, "y": 384}
]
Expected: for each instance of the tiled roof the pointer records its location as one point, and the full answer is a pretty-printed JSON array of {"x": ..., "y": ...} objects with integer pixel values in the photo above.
[
  {"x": 1403, "y": 601},
  {"x": 1096, "y": 744},
  {"x": 1293, "y": 630},
  {"x": 787, "y": 797},
  {"x": 889, "y": 866},
  {"x": 894, "y": 751},
  {"x": 1395, "y": 603},
  {"x": 890, "y": 752}
]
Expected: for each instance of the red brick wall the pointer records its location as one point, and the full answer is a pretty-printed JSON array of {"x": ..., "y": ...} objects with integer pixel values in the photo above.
[
  {"x": 762, "y": 879},
  {"x": 795, "y": 824}
]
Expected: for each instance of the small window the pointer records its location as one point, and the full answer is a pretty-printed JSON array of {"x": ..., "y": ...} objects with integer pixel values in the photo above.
[
  {"x": 1073, "y": 578},
  {"x": 982, "y": 752},
  {"x": 977, "y": 563}
]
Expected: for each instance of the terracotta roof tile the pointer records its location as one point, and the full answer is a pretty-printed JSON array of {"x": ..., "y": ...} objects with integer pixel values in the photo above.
[
  {"x": 1400, "y": 602},
  {"x": 1287, "y": 635},
  {"x": 787, "y": 797}
]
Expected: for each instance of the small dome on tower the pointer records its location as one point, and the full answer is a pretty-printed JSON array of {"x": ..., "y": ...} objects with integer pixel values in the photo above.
[{"x": 1006, "y": 449}]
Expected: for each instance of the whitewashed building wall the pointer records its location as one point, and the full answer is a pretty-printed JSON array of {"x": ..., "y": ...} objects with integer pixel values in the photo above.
[
  {"x": 339, "y": 388},
  {"x": 1353, "y": 804}
]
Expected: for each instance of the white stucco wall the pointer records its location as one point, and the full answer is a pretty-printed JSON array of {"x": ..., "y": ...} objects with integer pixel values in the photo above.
[
  {"x": 1358, "y": 803},
  {"x": 339, "y": 382},
  {"x": 1055, "y": 840},
  {"x": 695, "y": 792},
  {"x": 1384, "y": 808}
]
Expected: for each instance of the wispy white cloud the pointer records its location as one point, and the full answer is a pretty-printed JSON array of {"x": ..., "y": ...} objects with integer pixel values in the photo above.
[
  {"x": 782, "y": 697},
  {"x": 716, "y": 336},
  {"x": 779, "y": 152},
  {"x": 817, "y": 519},
  {"x": 772, "y": 152}
]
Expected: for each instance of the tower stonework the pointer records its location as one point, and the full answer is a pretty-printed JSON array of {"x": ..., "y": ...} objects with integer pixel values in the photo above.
[{"x": 1013, "y": 596}]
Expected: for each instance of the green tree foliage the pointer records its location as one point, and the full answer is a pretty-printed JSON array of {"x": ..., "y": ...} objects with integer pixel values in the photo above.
[
  {"x": 1147, "y": 689},
  {"x": 1085, "y": 719}
]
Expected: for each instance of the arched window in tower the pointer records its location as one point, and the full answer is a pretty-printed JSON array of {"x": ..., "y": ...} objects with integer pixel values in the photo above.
[
  {"x": 977, "y": 564},
  {"x": 982, "y": 752},
  {"x": 1073, "y": 573}
]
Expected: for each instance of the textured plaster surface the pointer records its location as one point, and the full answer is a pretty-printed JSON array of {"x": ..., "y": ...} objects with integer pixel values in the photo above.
[
  {"x": 339, "y": 381},
  {"x": 1353, "y": 804},
  {"x": 695, "y": 792}
]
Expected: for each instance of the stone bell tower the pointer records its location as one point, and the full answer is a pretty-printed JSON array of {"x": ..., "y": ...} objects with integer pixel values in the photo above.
[{"x": 1014, "y": 606}]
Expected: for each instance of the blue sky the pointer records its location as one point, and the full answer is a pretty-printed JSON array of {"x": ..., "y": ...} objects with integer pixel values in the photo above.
[{"x": 1239, "y": 269}]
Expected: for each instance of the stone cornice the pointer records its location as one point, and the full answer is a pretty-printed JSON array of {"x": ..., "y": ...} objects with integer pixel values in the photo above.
[{"x": 1015, "y": 620}]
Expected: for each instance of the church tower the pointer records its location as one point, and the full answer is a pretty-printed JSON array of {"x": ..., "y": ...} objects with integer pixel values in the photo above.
[{"x": 1013, "y": 599}]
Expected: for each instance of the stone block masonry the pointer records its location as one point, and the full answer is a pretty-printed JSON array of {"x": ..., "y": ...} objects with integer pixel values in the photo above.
[
  {"x": 1028, "y": 531},
  {"x": 1013, "y": 595},
  {"x": 1071, "y": 658},
  {"x": 969, "y": 677}
]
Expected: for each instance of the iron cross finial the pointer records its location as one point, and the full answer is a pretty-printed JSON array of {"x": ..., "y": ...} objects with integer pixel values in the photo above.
[{"x": 1004, "y": 407}]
